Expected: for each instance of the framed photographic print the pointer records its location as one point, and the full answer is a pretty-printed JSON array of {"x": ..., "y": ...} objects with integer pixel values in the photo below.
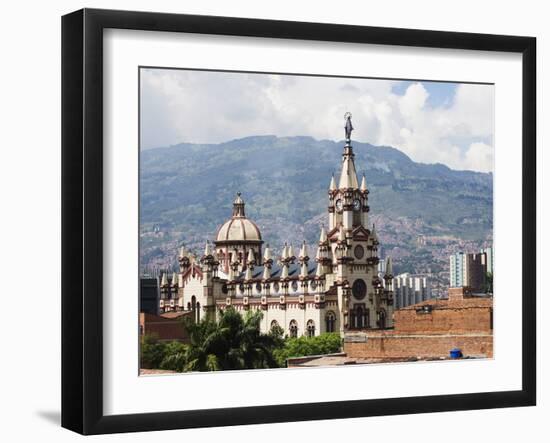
[{"x": 269, "y": 221}]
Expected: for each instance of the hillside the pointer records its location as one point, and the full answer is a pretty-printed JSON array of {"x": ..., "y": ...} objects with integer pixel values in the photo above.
[{"x": 187, "y": 190}]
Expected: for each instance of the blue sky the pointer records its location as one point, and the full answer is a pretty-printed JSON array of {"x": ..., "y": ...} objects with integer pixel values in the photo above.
[
  {"x": 431, "y": 122},
  {"x": 440, "y": 94}
]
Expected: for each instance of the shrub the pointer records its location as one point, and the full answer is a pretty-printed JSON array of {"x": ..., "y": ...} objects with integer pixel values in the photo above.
[
  {"x": 152, "y": 352},
  {"x": 327, "y": 343}
]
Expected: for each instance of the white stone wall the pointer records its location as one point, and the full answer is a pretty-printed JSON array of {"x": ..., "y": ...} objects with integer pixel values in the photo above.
[{"x": 283, "y": 317}]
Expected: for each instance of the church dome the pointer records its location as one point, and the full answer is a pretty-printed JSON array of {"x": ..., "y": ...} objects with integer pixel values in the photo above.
[{"x": 238, "y": 228}]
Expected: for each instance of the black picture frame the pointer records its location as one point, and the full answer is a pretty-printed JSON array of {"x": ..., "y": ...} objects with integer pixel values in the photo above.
[{"x": 82, "y": 240}]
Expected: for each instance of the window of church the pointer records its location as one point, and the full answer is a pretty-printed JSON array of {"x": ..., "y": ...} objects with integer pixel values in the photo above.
[
  {"x": 359, "y": 289},
  {"x": 330, "y": 320},
  {"x": 310, "y": 328},
  {"x": 294, "y": 285},
  {"x": 224, "y": 289},
  {"x": 258, "y": 287},
  {"x": 313, "y": 285},
  {"x": 276, "y": 287},
  {"x": 293, "y": 328},
  {"x": 359, "y": 252},
  {"x": 241, "y": 288}
]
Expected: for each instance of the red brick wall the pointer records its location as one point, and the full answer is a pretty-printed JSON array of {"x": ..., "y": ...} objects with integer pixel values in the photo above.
[
  {"x": 450, "y": 319},
  {"x": 430, "y": 330},
  {"x": 162, "y": 328},
  {"x": 391, "y": 346}
]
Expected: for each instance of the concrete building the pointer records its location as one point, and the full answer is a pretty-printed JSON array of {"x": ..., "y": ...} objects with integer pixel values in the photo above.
[
  {"x": 489, "y": 258},
  {"x": 335, "y": 289},
  {"x": 469, "y": 270},
  {"x": 149, "y": 295},
  {"x": 410, "y": 289}
]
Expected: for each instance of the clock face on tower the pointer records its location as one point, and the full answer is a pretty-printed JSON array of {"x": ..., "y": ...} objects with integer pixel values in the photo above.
[
  {"x": 339, "y": 205},
  {"x": 356, "y": 205}
]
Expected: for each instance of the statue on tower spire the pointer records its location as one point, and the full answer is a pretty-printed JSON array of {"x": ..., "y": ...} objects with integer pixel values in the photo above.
[{"x": 349, "y": 127}]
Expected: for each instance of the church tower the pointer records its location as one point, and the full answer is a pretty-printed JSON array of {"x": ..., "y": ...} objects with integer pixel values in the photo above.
[{"x": 362, "y": 301}]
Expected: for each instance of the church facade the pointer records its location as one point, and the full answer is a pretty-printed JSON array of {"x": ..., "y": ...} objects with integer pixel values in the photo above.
[{"x": 331, "y": 287}]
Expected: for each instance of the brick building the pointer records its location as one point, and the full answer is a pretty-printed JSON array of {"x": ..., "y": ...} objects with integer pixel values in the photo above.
[
  {"x": 430, "y": 330},
  {"x": 164, "y": 327}
]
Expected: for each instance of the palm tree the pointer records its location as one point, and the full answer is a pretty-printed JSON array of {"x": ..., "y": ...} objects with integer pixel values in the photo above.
[{"x": 233, "y": 342}]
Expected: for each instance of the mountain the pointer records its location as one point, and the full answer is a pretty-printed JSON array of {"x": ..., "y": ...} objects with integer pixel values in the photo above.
[{"x": 186, "y": 192}]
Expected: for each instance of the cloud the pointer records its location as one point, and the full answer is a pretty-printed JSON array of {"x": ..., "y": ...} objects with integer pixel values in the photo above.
[
  {"x": 211, "y": 107},
  {"x": 479, "y": 157}
]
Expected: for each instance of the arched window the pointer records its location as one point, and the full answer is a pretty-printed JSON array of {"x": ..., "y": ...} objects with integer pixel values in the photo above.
[
  {"x": 330, "y": 320},
  {"x": 310, "y": 328},
  {"x": 194, "y": 307},
  {"x": 188, "y": 305},
  {"x": 198, "y": 313},
  {"x": 293, "y": 328},
  {"x": 274, "y": 324},
  {"x": 359, "y": 317}
]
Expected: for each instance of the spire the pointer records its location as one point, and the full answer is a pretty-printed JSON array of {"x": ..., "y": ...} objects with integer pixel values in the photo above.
[
  {"x": 250, "y": 259},
  {"x": 323, "y": 236},
  {"x": 267, "y": 254},
  {"x": 248, "y": 273},
  {"x": 319, "y": 270},
  {"x": 303, "y": 269},
  {"x": 235, "y": 256},
  {"x": 348, "y": 178},
  {"x": 373, "y": 233},
  {"x": 238, "y": 206},
  {"x": 332, "y": 186},
  {"x": 267, "y": 273},
  {"x": 363, "y": 184},
  {"x": 284, "y": 254},
  {"x": 342, "y": 234},
  {"x": 319, "y": 255},
  {"x": 207, "y": 249},
  {"x": 182, "y": 252},
  {"x": 284, "y": 271},
  {"x": 303, "y": 251},
  {"x": 174, "y": 279},
  {"x": 291, "y": 252},
  {"x": 164, "y": 281},
  {"x": 389, "y": 266}
]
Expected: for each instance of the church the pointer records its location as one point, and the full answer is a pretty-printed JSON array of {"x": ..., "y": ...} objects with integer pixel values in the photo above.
[{"x": 333, "y": 286}]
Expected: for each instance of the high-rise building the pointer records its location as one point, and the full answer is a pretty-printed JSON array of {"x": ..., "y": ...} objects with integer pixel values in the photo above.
[
  {"x": 469, "y": 270},
  {"x": 488, "y": 258},
  {"x": 409, "y": 289}
]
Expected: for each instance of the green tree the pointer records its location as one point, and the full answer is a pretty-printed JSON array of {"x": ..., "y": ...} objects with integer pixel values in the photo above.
[
  {"x": 233, "y": 342},
  {"x": 152, "y": 352},
  {"x": 175, "y": 356},
  {"x": 488, "y": 285},
  {"x": 327, "y": 343}
]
